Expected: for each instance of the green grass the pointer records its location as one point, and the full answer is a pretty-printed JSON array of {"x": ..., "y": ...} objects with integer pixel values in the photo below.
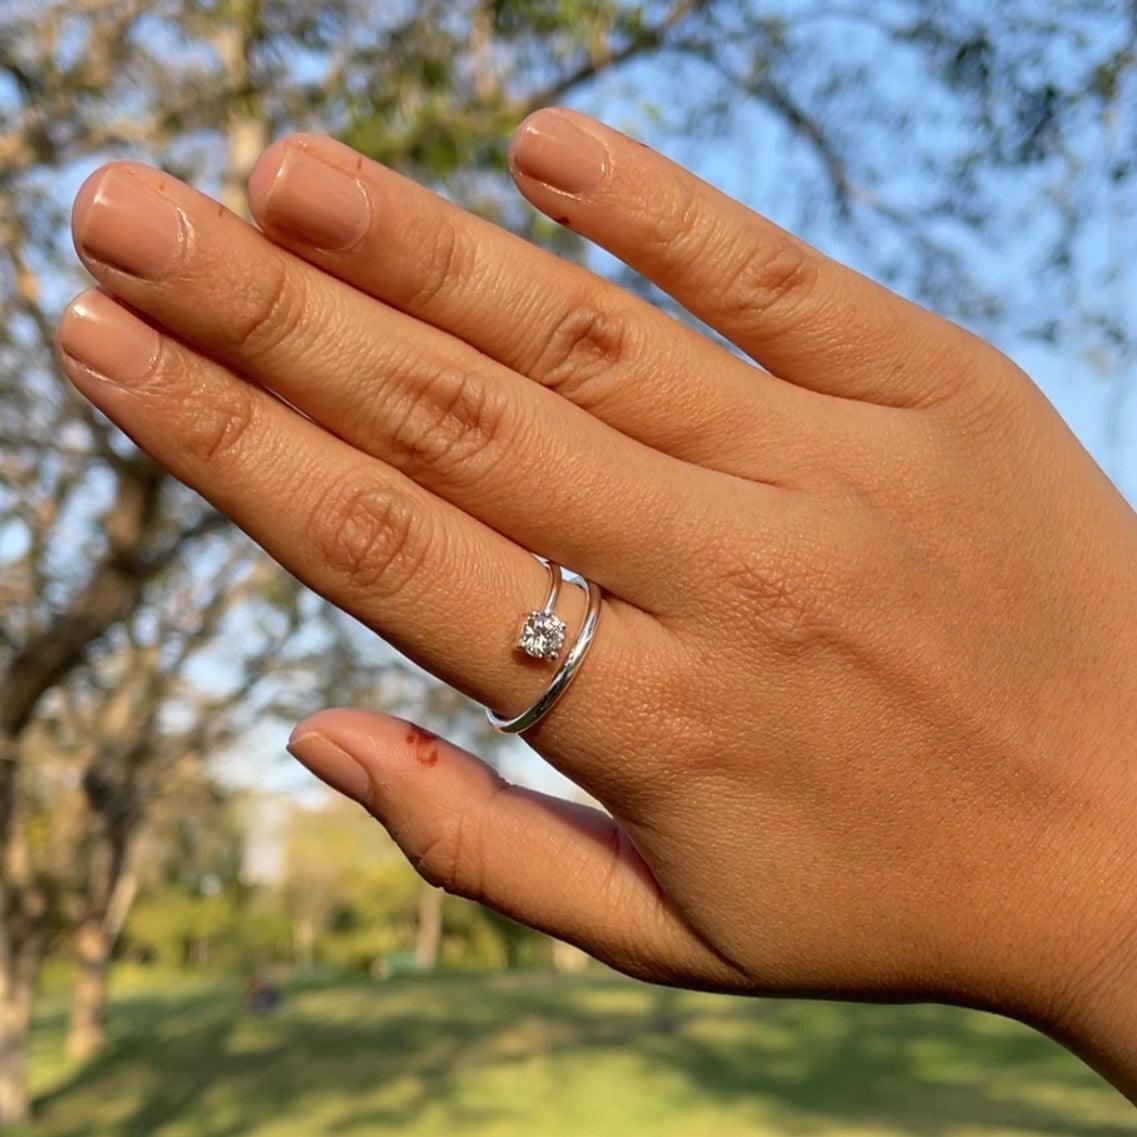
[{"x": 543, "y": 1056}]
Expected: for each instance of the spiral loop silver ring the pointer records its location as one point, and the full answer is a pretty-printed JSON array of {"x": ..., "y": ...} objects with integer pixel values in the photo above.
[{"x": 542, "y": 637}]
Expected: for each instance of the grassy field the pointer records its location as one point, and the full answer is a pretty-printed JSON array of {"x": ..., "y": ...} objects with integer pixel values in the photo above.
[{"x": 542, "y": 1056}]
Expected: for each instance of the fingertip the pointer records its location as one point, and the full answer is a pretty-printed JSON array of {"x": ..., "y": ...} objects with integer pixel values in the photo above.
[
  {"x": 560, "y": 150},
  {"x": 271, "y": 163},
  {"x": 81, "y": 206},
  {"x": 74, "y": 322},
  {"x": 353, "y": 727},
  {"x": 376, "y": 739},
  {"x": 264, "y": 173},
  {"x": 71, "y": 315},
  {"x": 548, "y": 118},
  {"x": 106, "y": 338},
  {"x": 85, "y": 198},
  {"x": 343, "y": 771},
  {"x": 372, "y": 757},
  {"x": 88, "y": 192},
  {"x": 530, "y": 123},
  {"x": 312, "y": 724}
]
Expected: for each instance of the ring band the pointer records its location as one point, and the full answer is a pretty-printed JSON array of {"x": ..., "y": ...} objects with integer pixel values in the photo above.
[
  {"x": 565, "y": 673},
  {"x": 555, "y": 579}
]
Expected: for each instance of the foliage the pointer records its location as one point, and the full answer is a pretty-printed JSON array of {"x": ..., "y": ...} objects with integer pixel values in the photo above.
[{"x": 345, "y": 899}]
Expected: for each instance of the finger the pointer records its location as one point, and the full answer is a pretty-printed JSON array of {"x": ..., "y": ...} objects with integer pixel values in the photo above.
[
  {"x": 540, "y": 470},
  {"x": 597, "y": 345},
  {"x": 443, "y": 588},
  {"x": 560, "y": 867},
  {"x": 806, "y": 318}
]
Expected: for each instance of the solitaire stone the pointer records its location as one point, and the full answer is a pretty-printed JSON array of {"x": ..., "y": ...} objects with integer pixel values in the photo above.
[{"x": 542, "y": 635}]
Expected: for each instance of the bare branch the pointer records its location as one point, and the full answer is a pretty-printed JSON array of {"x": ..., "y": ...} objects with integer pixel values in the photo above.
[{"x": 646, "y": 41}]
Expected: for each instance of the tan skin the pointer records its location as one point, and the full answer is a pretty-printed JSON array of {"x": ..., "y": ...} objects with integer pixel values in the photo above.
[{"x": 863, "y": 699}]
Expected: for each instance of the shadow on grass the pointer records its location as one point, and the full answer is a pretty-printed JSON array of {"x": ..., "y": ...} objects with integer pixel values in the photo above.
[
  {"x": 155, "y": 1039},
  {"x": 924, "y": 1070}
]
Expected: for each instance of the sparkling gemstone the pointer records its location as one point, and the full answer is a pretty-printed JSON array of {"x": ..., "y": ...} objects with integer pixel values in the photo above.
[{"x": 542, "y": 635}]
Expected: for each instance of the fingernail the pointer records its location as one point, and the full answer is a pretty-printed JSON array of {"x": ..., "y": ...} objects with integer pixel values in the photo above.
[
  {"x": 122, "y": 222},
  {"x": 552, "y": 149},
  {"x": 316, "y": 204},
  {"x": 107, "y": 339},
  {"x": 332, "y": 765}
]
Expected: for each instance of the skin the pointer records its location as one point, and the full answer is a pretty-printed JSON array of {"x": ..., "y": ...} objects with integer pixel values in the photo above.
[{"x": 861, "y": 704}]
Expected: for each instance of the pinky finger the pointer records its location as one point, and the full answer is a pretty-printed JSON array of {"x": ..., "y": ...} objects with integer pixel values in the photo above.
[{"x": 560, "y": 867}]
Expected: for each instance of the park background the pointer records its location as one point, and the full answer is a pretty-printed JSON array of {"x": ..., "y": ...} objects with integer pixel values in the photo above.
[{"x": 157, "y": 848}]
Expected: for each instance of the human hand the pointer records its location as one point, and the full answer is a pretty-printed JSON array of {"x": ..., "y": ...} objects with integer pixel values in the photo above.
[{"x": 861, "y": 701}]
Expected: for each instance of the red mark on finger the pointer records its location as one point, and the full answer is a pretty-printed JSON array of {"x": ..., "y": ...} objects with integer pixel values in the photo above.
[{"x": 423, "y": 744}]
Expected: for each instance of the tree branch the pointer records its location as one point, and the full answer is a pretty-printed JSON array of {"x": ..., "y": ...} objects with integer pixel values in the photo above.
[{"x": 647, "y": 40}]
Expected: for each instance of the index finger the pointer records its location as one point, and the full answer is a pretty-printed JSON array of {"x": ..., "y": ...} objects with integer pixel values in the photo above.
[{"x": 807, "y": 318}]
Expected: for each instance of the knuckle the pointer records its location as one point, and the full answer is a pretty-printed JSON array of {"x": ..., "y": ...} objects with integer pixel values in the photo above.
[
  {"x": 449, "y": 861},
  {"x": 585, "y": 346},
  {"x": 677, "y": 230},
  {"x": 448, "y": 265},
  {"x": 216, "y": 421},
  {"x": 990, "y": 399},
  {"x": 782, "y": 594},
  {"x": 369, "y": 536},
  {"x": 763, "y": 279},
  {"x": 749, "y": 274},
  {"x": 265, "y": 310},
  {"x": 451, "y": 420}
]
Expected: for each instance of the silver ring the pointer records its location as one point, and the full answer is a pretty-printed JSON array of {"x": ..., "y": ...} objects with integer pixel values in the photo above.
[{"x": 567, "y": 670}]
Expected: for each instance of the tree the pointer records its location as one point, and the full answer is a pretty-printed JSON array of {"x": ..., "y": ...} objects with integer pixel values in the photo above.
[
  {"x": 337, "y": 861},
  {"x": 143, "y": 725},
  {"x": 93, "y": 538}
]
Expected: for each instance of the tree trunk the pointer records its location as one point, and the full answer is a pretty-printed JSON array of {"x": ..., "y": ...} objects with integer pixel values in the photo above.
[
  {"x": 23, "y": 926},
  {"x": 246, "y": 131},
  {"x": 304, "y": 941},
  {"x": 93, "y": 945},
  {"x": 112, "y": 884},
  {"x": 17, "y": 985},
  {"x": 428, "y": 933}
]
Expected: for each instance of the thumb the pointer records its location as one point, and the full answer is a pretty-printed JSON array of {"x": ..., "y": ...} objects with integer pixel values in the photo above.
[{"x": 560, "y": 867}]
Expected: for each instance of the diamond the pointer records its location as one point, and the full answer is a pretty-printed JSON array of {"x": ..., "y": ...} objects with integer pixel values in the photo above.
[{"x": 542, "y": 635}]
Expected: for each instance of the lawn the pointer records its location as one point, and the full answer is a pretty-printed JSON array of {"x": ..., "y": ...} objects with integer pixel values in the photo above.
[{"x": 543, "y": 1056}]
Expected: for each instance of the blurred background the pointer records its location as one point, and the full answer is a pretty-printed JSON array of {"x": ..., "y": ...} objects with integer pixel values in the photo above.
[{"x": 194, "y": 937}]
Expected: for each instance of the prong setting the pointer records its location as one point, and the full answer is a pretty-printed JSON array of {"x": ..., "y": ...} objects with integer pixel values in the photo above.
[{"x": 542, "y": 636}]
